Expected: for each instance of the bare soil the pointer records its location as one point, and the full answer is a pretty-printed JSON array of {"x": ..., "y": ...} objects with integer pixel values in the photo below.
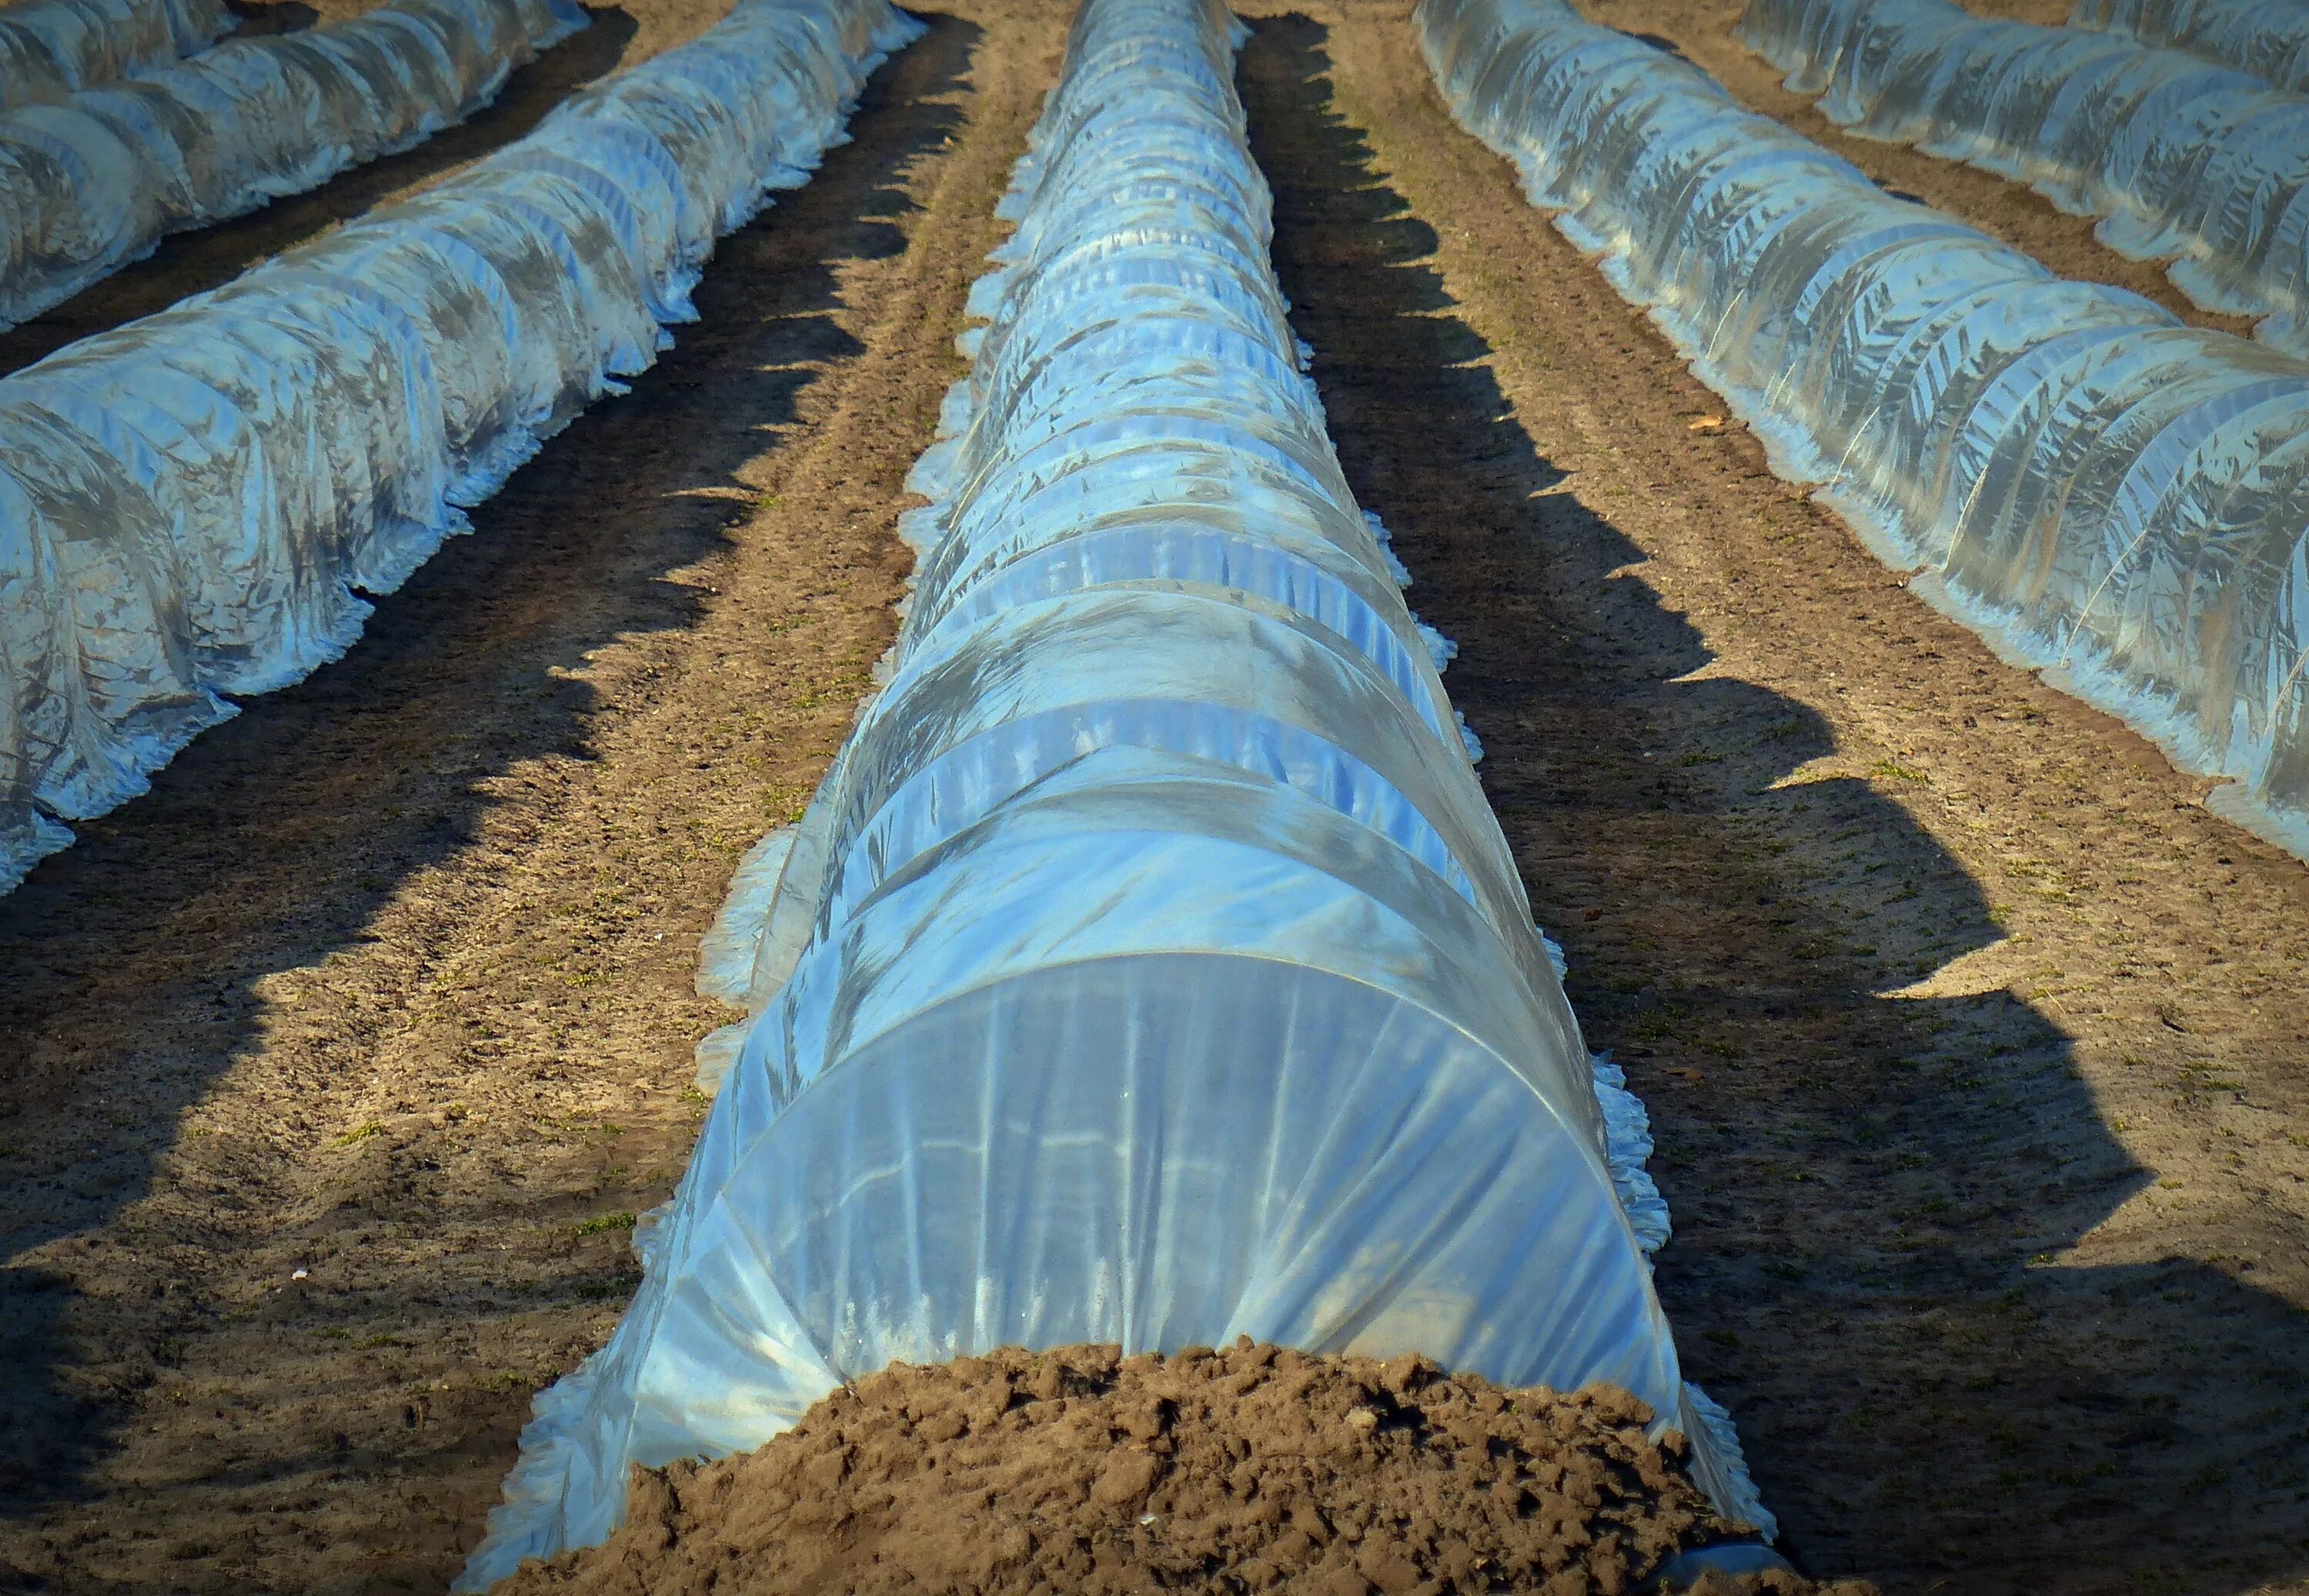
[
  {"x": 1974, "y": 1044},
  {"x": 2044, "y": 13},
  {"x": 1251, "y": 1470},
  {"x": 332, "y": 1073}
]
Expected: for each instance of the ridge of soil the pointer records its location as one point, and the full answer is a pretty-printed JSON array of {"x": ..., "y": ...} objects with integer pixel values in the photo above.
[{"x": 1251, "y": 1470}]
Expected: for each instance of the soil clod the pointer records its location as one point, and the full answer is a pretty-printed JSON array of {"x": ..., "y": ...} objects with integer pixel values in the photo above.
[{"x": 1257, "y": 1469}]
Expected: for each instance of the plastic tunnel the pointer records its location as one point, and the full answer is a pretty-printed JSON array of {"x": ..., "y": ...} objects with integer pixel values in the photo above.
[
  {"x": 188, "y": 503},
  {"x": 1148, "y": 969},
  {"x": 2181, "y": 156},
  {"x": 95, "y": 181},
  {"x": 52, "y": 49},
  {"x": 2268, "y": 39},
  {"x": 2099, "y": 490}
]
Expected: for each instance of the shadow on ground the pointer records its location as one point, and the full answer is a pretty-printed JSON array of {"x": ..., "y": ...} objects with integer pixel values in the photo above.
[
  {"x": 259, "y": 17},
  {"x": 127, "y": 962},
  {"x": 1865, "y": 1185}
]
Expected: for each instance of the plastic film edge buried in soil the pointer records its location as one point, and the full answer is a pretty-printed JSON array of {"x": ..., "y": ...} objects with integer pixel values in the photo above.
[
  {"x": 194, "y": 504},
  {"x": 2101, "y": 492},
  {"x": 1148, "y": 967}
]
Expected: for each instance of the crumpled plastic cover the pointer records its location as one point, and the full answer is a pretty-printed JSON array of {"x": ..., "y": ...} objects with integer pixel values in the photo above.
[
  {"x": 96, "y": 181},
  {"x": 188, "y": 503},
  {"x": 2102, "y": 492},
  {"x": 52, "y": 49},
  {"x": 1148, "y": 967},
  {"x": 2266, "y": 37},
  {"x": 2181, "y": 157}
]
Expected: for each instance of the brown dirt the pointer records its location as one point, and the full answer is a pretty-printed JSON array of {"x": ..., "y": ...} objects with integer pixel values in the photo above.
[
  {"x": 2044, "y": 13},
  {"x": 1243, "y": 1471},
  {"x": 1700, "y": 31},
  {"x": 1973, "y": 1045},
  {"x": 332, "y": 1073}
]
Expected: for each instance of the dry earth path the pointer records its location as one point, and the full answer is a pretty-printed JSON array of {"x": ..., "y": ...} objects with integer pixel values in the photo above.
[
  {"x": 332, "y": 1073},
  {"x": 1975, "y": 1046}
]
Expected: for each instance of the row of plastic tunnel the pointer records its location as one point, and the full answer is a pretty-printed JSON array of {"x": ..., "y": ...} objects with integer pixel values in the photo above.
[{"x": 1148, "y": 967}]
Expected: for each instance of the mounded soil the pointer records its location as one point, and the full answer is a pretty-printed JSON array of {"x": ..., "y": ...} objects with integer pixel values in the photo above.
[
  {"x": 333, "y": 1071},
  {"x": 1251, "y": 1470}
]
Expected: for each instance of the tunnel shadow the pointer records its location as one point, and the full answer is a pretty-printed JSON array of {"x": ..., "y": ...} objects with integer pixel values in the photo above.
[
  {"x": 272, "y": 840},
  {"x": 1663, "y": 44},
  {"x": 256, "y": 18},
  {"x": 195, "y": 261},
  {"x": 1871, "y": 1183}
]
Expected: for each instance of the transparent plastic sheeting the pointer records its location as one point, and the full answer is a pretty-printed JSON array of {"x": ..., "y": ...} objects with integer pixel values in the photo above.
[
  {"x": 53, "y": 48},
  {"x": 2099, "y": 490},
  {"x": 2268, "y": 38},
  {"x": 2181, "y": 157},
  {"x": 96, "y": 181},
  {"x": 1148, "y": 969},
  {"x": 188, "y": 503}
]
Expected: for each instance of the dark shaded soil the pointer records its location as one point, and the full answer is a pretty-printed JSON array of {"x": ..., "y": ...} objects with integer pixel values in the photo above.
[{"x": 1251, "y": 1470}]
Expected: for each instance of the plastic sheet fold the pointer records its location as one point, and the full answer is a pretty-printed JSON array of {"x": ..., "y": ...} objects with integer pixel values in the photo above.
[
  {"x": 95, "y": 181},
  {"x": 2101, "y": 491},
  {"x": 2268, "y": 38},
  {"x": 50, "y": 49},
  {"x": 195, "y": 503},
  {"x": 2182, "y": 158},
  {"x": 1148, "y": 967}
]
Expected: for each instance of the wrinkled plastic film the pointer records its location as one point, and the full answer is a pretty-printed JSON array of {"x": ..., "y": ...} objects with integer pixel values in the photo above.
[
  {"x": 50, "y": 49},
  {"x": 2101, "y": 491},
  {"x": 1148, "y": 967},
  {"x": 2182, "y": 158},
  {"x": 95, "y": 181},
  {"x": 2266, "y": 37},
  {"x": 194, "y": 504}
]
